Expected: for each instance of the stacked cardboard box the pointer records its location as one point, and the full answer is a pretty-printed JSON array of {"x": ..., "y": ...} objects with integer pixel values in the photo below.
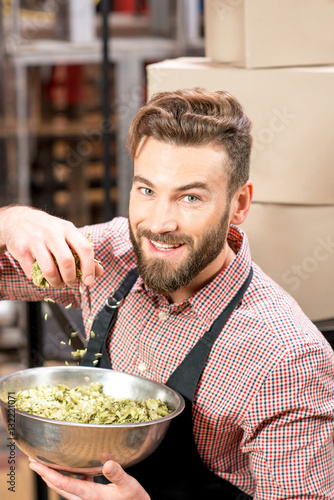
[
  {"x": 267, "y": 34},
  {"x": 291, "y": 222}
]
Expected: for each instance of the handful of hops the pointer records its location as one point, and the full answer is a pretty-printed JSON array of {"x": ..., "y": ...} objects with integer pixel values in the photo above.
[{"x": 39, "y": 279}]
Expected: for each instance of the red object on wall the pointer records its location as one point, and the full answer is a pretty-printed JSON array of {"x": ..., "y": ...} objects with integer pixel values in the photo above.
[
  {"x": 130, "y": 6},
  {"x": 69, "y": 81},
  {"x": 124, "y": 5}
]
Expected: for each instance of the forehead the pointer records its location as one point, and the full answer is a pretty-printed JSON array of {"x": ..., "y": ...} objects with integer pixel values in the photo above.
[{"x": 160, "y": 161}]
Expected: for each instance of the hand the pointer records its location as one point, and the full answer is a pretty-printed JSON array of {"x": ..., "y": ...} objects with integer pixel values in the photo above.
[
  {"x": 123, "y": 487},
  {"x": 29, "y": 234}
]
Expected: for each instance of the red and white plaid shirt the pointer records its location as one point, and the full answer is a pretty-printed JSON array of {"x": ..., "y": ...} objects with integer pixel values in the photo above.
[{"x": 263, "y": 410}]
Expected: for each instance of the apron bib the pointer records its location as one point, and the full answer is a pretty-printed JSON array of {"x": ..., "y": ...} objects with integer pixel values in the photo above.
[{"x": 175, "y": 470}]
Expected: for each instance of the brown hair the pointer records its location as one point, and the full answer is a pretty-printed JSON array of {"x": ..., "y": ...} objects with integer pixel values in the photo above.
[{"x": 198, "y": 117}]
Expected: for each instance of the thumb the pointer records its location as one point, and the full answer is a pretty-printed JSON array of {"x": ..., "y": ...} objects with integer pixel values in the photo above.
[
  {"x": 114, "y": 473},
  {"x": 127, "y": 486}
]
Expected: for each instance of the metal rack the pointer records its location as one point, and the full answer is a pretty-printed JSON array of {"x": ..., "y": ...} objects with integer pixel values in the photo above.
[{"x": 129, "y": 56}]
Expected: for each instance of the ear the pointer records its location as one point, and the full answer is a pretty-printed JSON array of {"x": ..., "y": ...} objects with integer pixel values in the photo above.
[{"x": 241, "y": 203}]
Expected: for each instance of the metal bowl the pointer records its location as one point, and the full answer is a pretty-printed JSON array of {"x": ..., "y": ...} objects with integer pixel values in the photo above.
[{"x": 84, "y": 448}]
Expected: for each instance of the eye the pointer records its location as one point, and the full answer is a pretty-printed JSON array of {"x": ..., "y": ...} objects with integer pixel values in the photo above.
[
  {"x": 191, "y": 198},
  {"x": 147, "y": 191}
]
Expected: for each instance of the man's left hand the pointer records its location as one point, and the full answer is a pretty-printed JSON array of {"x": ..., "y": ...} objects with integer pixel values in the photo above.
[{"x": 123, "y": 486}]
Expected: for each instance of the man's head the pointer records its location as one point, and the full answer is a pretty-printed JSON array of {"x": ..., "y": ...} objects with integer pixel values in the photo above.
[
  {"x": 198, "y": 117},
  {"x": 191, "y": 154}
]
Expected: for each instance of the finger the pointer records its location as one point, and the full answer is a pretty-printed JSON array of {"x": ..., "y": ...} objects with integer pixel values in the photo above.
[
  {"x": 62, "y": 493},
  {"x": 27, "y": 251},
  {"x": 60, "y": 243},
  {"x": 85, "y": 251},
  {"x": 70, "y": 488},
  {"x": 48, "y": 267},
  {"x": 66, "y": 263},
  {"x": 25, "y": 258},
  {"x": 98, "y": 270}
]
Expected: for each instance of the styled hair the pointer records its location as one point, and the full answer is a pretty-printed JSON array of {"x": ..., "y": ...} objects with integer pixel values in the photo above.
[{"x": 198, "y": 117}]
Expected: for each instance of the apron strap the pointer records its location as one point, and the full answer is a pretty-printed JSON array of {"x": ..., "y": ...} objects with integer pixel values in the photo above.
[
  {"x": 186, "y": 376},
  {"x": 103, "y": 323}
]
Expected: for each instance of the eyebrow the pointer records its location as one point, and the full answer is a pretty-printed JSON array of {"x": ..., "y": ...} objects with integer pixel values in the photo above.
[
  {"x": 139, "y": 178},
  {"x": 186, "y": 187}
]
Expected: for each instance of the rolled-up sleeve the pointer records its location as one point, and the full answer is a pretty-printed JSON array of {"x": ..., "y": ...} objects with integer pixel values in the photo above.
[{"x": 289, "y": 426}]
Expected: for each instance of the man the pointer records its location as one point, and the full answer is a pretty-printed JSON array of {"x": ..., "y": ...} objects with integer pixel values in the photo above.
[{"x": 257, "y": 375}]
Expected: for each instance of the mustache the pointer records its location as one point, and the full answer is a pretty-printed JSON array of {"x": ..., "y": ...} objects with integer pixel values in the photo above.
[{"x": 169, "y": 239}]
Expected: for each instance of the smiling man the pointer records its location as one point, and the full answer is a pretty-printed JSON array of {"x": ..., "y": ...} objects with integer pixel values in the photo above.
[
  {"x": 178, "y": 228},
  {"x": 195, "y": 313}
]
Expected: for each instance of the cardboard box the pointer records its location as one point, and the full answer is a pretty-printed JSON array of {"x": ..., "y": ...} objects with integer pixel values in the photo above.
[
  {"x": 270, "y": 33},
  {"x": 294, "y": 245},
  {"x": 292, "y": 111}
]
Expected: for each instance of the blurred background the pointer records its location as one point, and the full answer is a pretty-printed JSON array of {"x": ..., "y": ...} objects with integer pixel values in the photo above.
[{"x": 73, "y": 73}]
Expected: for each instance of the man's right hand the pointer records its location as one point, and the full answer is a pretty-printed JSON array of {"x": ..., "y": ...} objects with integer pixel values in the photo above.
[{"x": 29, "y": 235}]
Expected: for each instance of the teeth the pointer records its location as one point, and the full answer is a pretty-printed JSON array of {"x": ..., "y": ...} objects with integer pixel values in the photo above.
[{"x": 164, "y": 246}]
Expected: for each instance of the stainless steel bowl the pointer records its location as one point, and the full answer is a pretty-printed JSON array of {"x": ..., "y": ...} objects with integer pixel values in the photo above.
[{"x": 84, "y": 448}]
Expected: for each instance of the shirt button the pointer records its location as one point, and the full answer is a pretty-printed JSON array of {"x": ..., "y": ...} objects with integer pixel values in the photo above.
[{"x": 162, "y": 315}]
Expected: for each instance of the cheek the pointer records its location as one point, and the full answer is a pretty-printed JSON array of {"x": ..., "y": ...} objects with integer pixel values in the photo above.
[
  {"x": 139, "y": 209},
  {"x": 136, "y": 219},
  {"x": 133, "y": 203},
  {"x": 199, "y": 221},
  {"x": 192, "y": 225},
  {"x": 134, "y": 209}
]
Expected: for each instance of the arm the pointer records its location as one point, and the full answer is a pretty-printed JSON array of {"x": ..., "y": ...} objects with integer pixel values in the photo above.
[
  {"x": 122, "y": 487},
  {"x": 29, "y": 234},
  {"x": 289, "y": 428}
]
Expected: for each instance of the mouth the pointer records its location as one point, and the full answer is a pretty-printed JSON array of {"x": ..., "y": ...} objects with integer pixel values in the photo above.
[
  {"x": 163, "y": 250},
  {"x": 165, "y": 247}
]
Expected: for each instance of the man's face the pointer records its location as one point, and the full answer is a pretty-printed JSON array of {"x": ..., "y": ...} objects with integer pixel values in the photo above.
[{"x": 179, "y": 215}]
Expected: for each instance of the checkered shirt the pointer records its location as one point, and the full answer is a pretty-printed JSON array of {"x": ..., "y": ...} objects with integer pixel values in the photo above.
[{"x": 263, "y": 409}]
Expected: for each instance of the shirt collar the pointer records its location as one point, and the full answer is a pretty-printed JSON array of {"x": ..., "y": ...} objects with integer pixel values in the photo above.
[{"x": 209, "y": 302}]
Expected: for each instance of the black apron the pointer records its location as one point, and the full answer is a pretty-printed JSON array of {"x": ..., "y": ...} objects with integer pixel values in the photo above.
[{"x": 175, "y": 470}]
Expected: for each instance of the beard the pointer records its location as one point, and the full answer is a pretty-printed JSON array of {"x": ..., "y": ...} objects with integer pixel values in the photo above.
[{"x": 164, "y": 277}]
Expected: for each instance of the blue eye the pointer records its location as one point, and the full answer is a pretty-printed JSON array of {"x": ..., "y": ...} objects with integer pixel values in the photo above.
[
  {"x": 147, "y": 191},
  {"x": 191, "y": 198}
]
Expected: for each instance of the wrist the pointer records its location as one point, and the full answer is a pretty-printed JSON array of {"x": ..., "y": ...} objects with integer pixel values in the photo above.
[{"x": 5, "y": 219}]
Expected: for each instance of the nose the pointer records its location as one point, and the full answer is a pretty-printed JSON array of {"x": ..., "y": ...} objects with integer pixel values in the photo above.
[{"x": 163, "y": 217}]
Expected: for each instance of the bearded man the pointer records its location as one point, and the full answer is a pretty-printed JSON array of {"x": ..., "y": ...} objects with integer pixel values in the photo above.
[{"x": 196, "y": 314}]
